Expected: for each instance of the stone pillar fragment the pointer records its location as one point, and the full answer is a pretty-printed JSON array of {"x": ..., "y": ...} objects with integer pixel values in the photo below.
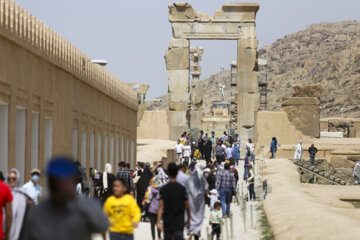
[
  {"x": 247, "y": 87},
  {"x": 178, "y": 64},
  {"x": 196, "y": 111}
]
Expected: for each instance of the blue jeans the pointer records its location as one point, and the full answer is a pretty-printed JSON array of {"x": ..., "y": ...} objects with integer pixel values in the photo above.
[
  {"x": 225, "y": 199},
  {"x": 237, "y": 162},
  {"x": 273, "y": 154},
  {"x": 246, "y": 172},
  {"x": 252, "y": 191},
  {"x": 119, "y": 236}
]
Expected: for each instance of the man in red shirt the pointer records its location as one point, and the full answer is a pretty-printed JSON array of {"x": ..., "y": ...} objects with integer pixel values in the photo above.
[{"x": 5, "y": 202}]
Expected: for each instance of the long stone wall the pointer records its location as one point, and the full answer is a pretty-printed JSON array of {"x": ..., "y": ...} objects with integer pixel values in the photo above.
[{"x": 54, "y": 101}]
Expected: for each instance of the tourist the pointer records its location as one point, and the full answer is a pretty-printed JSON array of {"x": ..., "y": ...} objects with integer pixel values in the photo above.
[
  {"x": 82, "y": 175},
  {"x": 197, "y": 154},
  {"x": 312, "y": 151},
  {"x": 228, "y": 152},
  {"x": 197, "y": 187},
  {"x": 172, "y": 205},
  {"x": 187, "y": 152},
  {"x": 126, "y": 175},
  {"x": 356, "y": 174},
  {"x": 213, "y": 195},
  {"x": 273, "y": 147},
  {"x": 251, "y": 182},
  {"x": 153, "y": 208},
  {"x": 246, "y": 165},
  {"x": 201, "y": 143},
  {"x": 5, "y": 207},
  {"x": 182, "y": 178},
  {"x": 298, "y": 151},
  {"x": 250, "y": 146},
  {"x": 142, "y": 186},
  {"x": 32, "y": 187},
  {"x": 208, "y": 149},
  {"x": 107, "y": 180},
  {"x": 64, "y": 215},
  {"x": 236, "y": 153},
  {"x": 226, "y": 186},
  {"x": 179, "y": 148},
  {"x": 122, "y": 211},
  {"x": 211, "y": 178},
  {"x": 215, "y": 221},
  {"x": 20, "y": 203},
  {"x": 224, "y": 137},
  {"x": 161, "y": 176},
  {"x": 79, "y": 187},
  {"x": 220, "y": 153}
]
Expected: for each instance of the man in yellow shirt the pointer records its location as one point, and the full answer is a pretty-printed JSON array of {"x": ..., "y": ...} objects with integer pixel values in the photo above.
[{"x": 122, "y": 211}]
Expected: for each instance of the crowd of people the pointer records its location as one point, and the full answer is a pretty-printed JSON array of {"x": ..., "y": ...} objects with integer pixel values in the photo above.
[{"x": 173, "y": 200}]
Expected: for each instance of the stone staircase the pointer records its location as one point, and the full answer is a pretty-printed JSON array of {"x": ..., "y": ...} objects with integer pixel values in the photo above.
[{"x": 318, "y": 173}]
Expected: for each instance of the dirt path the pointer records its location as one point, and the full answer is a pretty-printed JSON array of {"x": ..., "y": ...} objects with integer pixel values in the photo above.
[{"x": 307, "y": 211}]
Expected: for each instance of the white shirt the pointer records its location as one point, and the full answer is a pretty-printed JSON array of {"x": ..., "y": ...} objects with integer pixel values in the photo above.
[
  {"x": 187, "y": 151},
  {"x": 34, "y": 191},
  {"x": 179, "y": 148},
  {"x": 228, "y": 153},
  {"x": 251, "y": 146}
]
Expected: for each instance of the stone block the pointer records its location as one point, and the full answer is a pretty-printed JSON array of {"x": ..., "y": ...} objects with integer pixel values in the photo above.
[
  {"x": 178, "y": 43},
  {"x": 332, "y": 134},
  {"x": 247, "y": 81},
  {"x": 178, "y": 80},
  {"x": 304, "y": 114},
  {"x": 177, "y": 59},
  {"x": 246, "y": 59},
  {"x": 248, "y": 43},
  {"x": 341, "y": 162},
  {"x": 177, "y": 118},
  {"x": 308, "y": 91},
  {"x": 246, "y": 110}
]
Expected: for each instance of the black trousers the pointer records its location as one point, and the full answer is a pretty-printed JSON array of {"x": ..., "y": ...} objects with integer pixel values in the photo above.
[
  {"x": 153, "y": 220},
  {"x": 173, "y": 235},
  {"x": 216, "y": 230}
]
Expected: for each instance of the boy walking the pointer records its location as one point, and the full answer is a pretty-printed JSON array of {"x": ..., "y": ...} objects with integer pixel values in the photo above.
[
  {"x": 172, "y": 205},
  {"x": 312, "y": 152},
  {"x": 122, "y": 211}
]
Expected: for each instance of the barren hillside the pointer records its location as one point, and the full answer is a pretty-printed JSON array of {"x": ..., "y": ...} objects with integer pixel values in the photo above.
[{"x": 326, "y": 54}]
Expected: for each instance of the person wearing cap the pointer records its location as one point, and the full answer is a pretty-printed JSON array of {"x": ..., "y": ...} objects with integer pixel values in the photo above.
[
  {"x": 32, "y": 187},
  {"x": 64, "y": 215}
]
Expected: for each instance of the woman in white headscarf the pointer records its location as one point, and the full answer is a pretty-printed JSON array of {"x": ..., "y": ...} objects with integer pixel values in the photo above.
[
  {"x": 298, "y": 151},
  {"x": 19, "y": 204},
  {"x": 197, "y": 187},
  {"x": 107, "y": 182}
]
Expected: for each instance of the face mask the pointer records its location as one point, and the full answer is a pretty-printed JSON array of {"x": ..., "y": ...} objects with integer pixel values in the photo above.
[{"x": 35, "y": 178}]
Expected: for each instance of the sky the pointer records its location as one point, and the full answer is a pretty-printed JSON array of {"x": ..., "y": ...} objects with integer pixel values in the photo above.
[{"x": 132, "y": 35}]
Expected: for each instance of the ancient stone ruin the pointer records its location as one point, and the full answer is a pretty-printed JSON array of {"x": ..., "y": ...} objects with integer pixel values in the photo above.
[{"x": 233, "y": 21}]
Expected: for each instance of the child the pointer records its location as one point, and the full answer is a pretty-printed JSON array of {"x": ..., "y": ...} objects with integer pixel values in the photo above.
[
  {"x": 213, "y": 198},
  {"x": 215, "y": 221},
  {"x": 122, "y": 211}
]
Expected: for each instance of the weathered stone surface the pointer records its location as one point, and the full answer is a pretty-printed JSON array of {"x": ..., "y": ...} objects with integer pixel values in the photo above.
[
  {"x": 177, "y": 118},
  {"x": 308, "y": 91},
  {"x": 177, "y": 58},
  {"x": 332, "y": 134},
  {"x": 341, "y": 162},
  {"x": 304, "y": 114},
  {"x": 179, "y": 43},
  {"x": 232, "y": 21},
  {"x": 178, "y": 101},
  {"x": 178, "y": 80}
]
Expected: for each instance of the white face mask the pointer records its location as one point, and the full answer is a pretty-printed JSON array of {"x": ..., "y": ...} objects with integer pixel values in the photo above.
[{"x": 35, "y": 178}]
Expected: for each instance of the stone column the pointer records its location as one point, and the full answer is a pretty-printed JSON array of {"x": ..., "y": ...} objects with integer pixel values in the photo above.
[
  {"x": 177, "y": 64},
  {"x": 247, "y": 87},
  {"x": 196, "y": 92}
]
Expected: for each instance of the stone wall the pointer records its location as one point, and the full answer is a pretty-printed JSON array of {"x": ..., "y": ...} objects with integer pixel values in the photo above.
[
  {"x": 54, "y": 101},
  {"x": 304, "y": 114},
  {"x": 349, "y": 126}
]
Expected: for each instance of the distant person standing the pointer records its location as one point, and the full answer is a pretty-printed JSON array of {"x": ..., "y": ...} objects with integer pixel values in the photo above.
[
  {"x": 126, "y": 175},
  {"x": 273, "y": 147},
  {"x": 228, "y": 152},
  {"x": 207, "y": 149},
  {"x": 122, "y": 211},
  {"x": 236, "y": 153},
  {"x": 250, "y": 146},
  {"x": 312, "y": 151},
  {"x": 187, "y": 152},
  {"x": 107, "y": 180},
  {"x": 251, "y": 183},
  {"x": 220, "y": 152},
  {"x": 356, "y": 174},
  {"x": 179, "y": 148},
  {"x": 172, "y": 205},
  {"x": 5, "y": 207},
  {"x": 298, "y": 151},
  {"x": 32, "y": 187}
]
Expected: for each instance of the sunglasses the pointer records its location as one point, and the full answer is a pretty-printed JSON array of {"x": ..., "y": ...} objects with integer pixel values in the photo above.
[{"x": 11, "y": 179}]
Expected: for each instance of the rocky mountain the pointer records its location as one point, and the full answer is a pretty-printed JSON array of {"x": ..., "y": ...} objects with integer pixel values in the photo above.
[{"x": 325, "y": 53}]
